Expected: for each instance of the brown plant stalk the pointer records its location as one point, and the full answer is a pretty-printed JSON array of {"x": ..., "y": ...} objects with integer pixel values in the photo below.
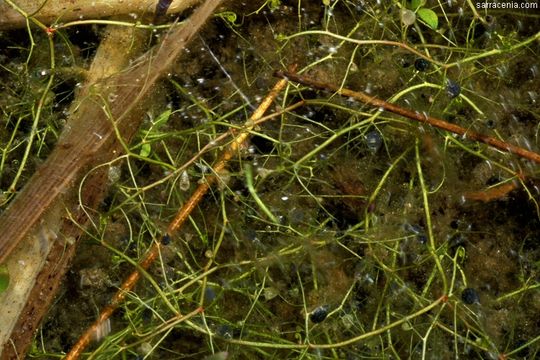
[
  {"x": 413, "y": 115},
  {"x": 99, "y": 129},
  {"x": 15, "y": 13},
  {"x": 182, "y": 215}
]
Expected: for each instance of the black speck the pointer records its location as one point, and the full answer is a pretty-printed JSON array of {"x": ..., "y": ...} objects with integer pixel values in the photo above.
[
  {"x": 421, "y": 64},
  {"x": 166, "y": 239},
  {"x": 452, "y": 88},
  {"x": 470, "y": 296},
  {"x": 319, "y": 314}
]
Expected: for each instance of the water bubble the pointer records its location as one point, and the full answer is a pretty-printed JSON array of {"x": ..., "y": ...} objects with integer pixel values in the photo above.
[
  {"x": 369, "y": 88},
  {"x": 374, "y": 141},
  {"x": 452, "y": 88},
  {"x": 418, "y": 231},
  {"x": 408, "y": 17},
  {"x": 114, "y": 174},
  {"x": 319, "y": 314},
  {"x": 184, "y": 181},
  {"x": 251, "y": 235},
  {"x": 166, "y": 239},
  {"x": 225, "y": 331},
  {"x": 421, "y": 64},
  {"x": 502, "y": 70},
  {"x": 470, "y": 296},
  {"x": 204, "y": 168},
  {"x": 533, "y": 95},
  {"x": 534, "y": 71},
  {"x": 209, "y": 294}
]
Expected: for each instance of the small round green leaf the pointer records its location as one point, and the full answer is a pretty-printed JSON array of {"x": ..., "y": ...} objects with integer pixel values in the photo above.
[
  {"x": 415, "y": 4},
  {"x": 4, "y": 278},
  {"x": 145, "y": 150},
  {"x": 429, "y": 17}
]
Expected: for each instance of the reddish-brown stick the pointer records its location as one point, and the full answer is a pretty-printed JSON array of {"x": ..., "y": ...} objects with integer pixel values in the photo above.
[
  {"x": 413, "y": 115},
  {"x": 177, "y": 222}
]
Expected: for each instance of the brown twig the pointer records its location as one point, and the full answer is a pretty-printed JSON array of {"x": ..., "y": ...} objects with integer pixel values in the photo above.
[
  {"x": 36, "y": 276},
  {"x": 493, "y": 193},
  {"x": 61, "y": 11},
  {"x": 178, "y": 220},
  {"x": 414, "y": 115},
  {"x": 496, "y": 192}
]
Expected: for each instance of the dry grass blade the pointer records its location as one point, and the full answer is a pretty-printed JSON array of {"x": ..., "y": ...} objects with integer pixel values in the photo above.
[
  {"x": 99, "y": 129},
  {"x": 37, "y": 274},
  {"x": 92, "y": 134}
]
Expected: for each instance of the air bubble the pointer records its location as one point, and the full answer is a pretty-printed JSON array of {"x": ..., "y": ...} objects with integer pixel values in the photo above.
[
  {"x": 421, "y": 64},
  {"x": 408, "y": 17},
  {"x": 533, "y": 96},
  {"x": 319, "y": 314},
  {"x": 470, "y": 296},
  {"x": 452, "y": 89},
  {"x": 166, "y": 239},
  {"x": 369, "y": 88},
  {"x": 184, "y": 181},
  {"x": 114, "y": 174},
  {"x": 374, "y": 141}
]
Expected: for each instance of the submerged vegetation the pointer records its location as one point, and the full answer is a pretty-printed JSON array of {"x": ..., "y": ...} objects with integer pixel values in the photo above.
[{"x": 339, "y": 231}]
